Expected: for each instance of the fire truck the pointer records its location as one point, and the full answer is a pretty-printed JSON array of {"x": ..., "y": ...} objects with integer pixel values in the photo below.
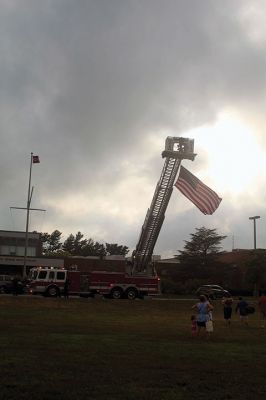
[
  {"x": 50, "y": 282},
  {"x": 141, "y": 278}
]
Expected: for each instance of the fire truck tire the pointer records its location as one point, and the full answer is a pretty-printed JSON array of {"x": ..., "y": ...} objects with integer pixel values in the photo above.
[
  {"x": 131, "y": 293},
  {"x": 116, "y": 293},
  {"x": 52, "y": 291}
]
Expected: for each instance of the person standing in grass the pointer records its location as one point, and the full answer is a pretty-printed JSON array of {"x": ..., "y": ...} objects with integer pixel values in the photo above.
[
  {"x": 227, "y": 303},
  {"x": 262, "y": 307},
  {"x": 241, "y": 307},
  {"x": 203, "y": 308}
]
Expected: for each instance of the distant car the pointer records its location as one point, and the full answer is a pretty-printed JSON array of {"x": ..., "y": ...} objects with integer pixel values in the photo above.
[
  {"x": 212, "y": 291},
  {"x": 6, "y": 285}
]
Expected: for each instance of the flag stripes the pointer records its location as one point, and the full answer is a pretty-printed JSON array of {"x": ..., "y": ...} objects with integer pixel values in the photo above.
[{"x": 197, "y": 192}]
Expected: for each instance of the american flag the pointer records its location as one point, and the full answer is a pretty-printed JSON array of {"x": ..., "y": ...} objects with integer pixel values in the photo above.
[
  {"x": 35, "y": 159},
  {"x": 197, "y": 192}
]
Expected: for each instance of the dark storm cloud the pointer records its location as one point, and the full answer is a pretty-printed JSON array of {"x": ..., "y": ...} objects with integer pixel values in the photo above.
[{"x": 84, "y": 83}]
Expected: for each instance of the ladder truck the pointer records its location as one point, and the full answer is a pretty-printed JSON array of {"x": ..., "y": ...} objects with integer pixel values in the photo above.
[
  {"x": 176, "y": 150},
  {"x": 142, "y": 280}
]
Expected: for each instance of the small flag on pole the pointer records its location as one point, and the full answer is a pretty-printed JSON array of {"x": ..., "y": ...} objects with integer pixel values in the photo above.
[
  {"x": 197, "y": 192},
  {"x": 35, "y": 159}
]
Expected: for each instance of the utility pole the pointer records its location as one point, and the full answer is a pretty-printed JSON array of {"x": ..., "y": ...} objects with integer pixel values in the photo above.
[
  {"x": 33, "y": 160},
  {"x": 254, "y": 224}
]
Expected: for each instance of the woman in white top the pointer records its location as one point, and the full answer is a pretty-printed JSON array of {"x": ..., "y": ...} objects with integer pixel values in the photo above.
[{"x": 203, "y": 308}]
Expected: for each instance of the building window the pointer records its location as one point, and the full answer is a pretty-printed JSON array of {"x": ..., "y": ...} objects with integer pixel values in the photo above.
[
  {"x": 4, "y": 250},
  {"x": 17, "y": 251},
  {"x": 31, "y": 251},
  {"x": 12, "y": 250},
  {"x": 20, "y": 251}
]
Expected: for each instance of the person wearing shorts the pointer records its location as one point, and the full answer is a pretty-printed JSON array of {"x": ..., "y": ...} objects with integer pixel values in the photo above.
[
  {"x": 203, "y": 307},
  {"x": 227, "y": 303}
]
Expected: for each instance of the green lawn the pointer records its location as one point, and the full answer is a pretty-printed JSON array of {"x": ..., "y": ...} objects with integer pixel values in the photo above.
[{"x": 105, "y": 349}]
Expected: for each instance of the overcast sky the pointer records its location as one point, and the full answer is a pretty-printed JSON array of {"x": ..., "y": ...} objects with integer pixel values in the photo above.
[{"x": 95, "y": 87}]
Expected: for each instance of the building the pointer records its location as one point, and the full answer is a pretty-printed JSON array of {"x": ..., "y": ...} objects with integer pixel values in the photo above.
[
  {"x": 12, "y": 249},
  {"x": 12, "y": 243}
]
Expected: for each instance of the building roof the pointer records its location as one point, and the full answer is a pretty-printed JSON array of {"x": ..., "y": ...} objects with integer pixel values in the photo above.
[{"x": 19, "y": 234}]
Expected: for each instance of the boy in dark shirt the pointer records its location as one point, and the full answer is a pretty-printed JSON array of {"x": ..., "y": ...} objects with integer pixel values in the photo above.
[
  {"x": 242, "y": 308},
  {"x": 227, "y": 303}
]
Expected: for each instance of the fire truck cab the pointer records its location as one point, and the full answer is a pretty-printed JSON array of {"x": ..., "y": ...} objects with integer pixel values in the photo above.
[{"x": 50, "y": 281}]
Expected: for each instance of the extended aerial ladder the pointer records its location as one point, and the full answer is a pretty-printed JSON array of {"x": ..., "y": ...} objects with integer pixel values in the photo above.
[{"x": 176, "y": 149}]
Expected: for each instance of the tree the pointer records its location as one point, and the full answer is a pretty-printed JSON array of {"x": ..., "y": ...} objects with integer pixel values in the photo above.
[
  {"x": 99, "y": 249},
  {"x": 88, "y": 249},
  {"x": 74, "y": 245},
  {"x": 77, "y": 245},
  {"x": 58, "y": 254},
  {"x": 93, "y": 249},
  {"x": 115, "y": 249},
  {"x": 68, "y": 244},
  {"x": 51, "y": 243},
  {"x": 202, "y": 247}
]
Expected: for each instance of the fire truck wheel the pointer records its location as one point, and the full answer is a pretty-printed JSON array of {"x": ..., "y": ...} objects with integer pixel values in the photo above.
[
  {"x": 116, "y": 293},
  {"x": 52, "y": 291},
  {"x": 131, "y": 294}
]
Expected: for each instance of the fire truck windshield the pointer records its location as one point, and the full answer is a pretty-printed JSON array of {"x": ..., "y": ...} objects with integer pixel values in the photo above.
[{"x": 33, "y": 274}]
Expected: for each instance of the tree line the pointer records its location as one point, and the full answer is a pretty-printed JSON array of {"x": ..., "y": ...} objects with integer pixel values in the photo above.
[
  {"x": 78, "y": 245},
  {"x": 201, "y": 249}
]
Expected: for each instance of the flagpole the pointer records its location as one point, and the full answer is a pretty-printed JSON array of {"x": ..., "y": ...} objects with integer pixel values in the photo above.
[{"x": 27, "y": 220}]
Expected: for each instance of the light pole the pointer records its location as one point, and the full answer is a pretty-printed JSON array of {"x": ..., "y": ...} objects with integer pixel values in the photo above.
[{"x": 254, "y": 221}]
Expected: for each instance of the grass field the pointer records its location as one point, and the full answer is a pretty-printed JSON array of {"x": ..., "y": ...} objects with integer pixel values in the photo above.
[{"x": 105, "y": 349}]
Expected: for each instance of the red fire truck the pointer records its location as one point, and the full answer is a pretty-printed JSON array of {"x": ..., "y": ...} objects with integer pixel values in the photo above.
[{"x": 50, "y": 282}]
